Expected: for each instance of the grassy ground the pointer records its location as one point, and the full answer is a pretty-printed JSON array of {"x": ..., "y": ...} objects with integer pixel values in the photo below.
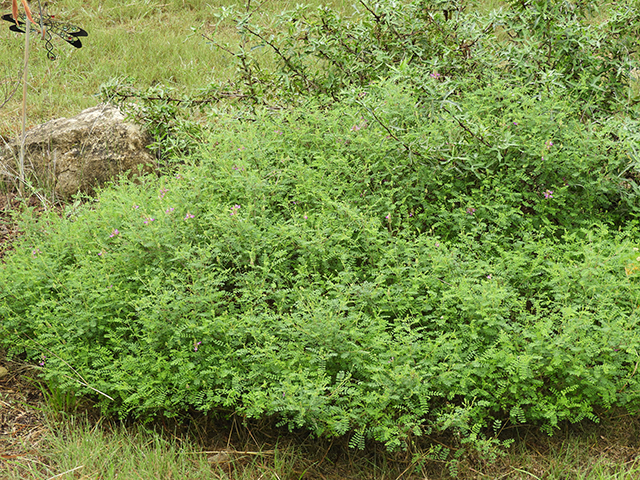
[
  {"x": 148, "y": 42},
  {"x": 151, "y": 42},
  {"x": 37, "y": 441}
]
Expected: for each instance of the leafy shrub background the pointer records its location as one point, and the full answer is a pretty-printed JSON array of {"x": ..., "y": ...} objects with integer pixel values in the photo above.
[{"x": 418, "y": 250}]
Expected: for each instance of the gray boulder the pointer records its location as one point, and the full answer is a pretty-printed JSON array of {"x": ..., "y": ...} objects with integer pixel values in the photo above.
[{"x": 70, "y": 155}]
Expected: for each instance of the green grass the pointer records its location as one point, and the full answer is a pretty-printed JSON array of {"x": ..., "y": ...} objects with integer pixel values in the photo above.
[
  {"x": 75, "y": 446},
  {"x": 95, "y": 452},
  {"x": 148, "y": 42}
]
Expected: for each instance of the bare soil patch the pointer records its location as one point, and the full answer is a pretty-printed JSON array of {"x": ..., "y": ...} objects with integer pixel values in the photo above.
[{"x": 23, "y": 428}]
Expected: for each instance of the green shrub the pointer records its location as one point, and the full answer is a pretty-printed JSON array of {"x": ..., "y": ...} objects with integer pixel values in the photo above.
[
  {"x": 162, "y": 114},
  {"x": 444, "y": 246},
  {"x": 577, "y": 50},
  {"x": 268, "y": 281}
]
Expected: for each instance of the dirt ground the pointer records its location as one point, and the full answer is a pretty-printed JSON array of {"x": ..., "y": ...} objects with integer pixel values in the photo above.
[
  {"x": 8, "y": 229},
  {"x": 22, "y": 423}
]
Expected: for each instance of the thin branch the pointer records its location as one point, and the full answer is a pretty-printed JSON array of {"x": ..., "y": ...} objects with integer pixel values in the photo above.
[
  {"x": 8, "y": 96},
  {"x": 380, "y": 20},
  {"x": 217, "y": 44},
  {"x": 467, "y": 129},
  {"x": 24, "y": 108},
  {"x": 390, "y": 132},
  {"x": 82, "y": 381},
  {"x": 234, "y": 452},
  {"x": 85, "y": 384},
  {"x": 125, "y": 96},
  {"x": 375, "y": 15},
  {"x": 284, "y": 58},
  {"x": 64, "y": 473}
]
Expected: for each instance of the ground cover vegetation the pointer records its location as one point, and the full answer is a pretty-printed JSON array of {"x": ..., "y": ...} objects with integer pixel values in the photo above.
[{"x": 416, "y": 219}]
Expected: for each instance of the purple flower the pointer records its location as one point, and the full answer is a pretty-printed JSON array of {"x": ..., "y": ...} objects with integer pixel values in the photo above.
[
  {"x": 148, "y": 220},
  {"x": 35, "y": 252},
  {"x": 305, "y": 217},
  {"x": 136, "y": 206},
  {"x": 388, "y": 217},
  {"x": 471, "y": 210},
  {"x": 114, "y": 233},
  {"x": 435, "y": 75},
  {"x": 548, "y": 194},
  {"x": 548, "y": 144},
  {"x": 195, "y": 347},
  {"x": 489, "y": 276},
  {"x": 162, "y": 192},
  {"x": 168, "y": 210},
  {"x": 437, "y": 244},
  {"x": 360, "y": 126},
  {"x": 44, "y": 358},
  {"x": 235, "y": 209},
  {"x": 188, "y": 216}
]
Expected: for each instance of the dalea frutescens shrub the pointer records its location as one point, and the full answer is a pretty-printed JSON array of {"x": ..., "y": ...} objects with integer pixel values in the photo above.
[
  {"x": 415, "y": 254},
  {"x": 284, "y": 275}
]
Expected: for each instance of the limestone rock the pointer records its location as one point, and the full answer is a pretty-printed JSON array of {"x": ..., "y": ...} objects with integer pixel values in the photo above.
[{"x": 77, "y": 154}]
